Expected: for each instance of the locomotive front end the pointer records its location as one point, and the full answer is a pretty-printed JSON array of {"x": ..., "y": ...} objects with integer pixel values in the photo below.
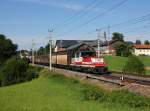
[{"x": 87, "y": 60}]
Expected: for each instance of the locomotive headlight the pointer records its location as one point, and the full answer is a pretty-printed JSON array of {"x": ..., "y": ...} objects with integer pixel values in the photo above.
[{"x": 101, "y": 60}]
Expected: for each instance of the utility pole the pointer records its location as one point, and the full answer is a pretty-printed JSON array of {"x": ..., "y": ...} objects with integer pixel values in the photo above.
[
  {"x": 50, "y": 49},
  {"x": 105, "y": 38},
  {"x": 33, "y": 44},
  {"x": 98, "y": 42},
  {"x": 108, "y": 33}
]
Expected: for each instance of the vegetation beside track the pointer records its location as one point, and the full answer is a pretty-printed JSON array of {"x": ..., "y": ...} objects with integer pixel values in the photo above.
[
  {"x": 116, "y": 63},
  {"x": 51, "y": 92}
]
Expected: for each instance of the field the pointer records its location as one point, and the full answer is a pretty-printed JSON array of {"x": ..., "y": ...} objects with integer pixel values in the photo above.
[
  {"x": 116, "y": 63},
  {"x": 57, "y": 93}
]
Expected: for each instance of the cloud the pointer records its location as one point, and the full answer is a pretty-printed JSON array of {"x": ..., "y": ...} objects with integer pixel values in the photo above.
[
  {"x": 54, "y": 3},
  {"x": 71, "y": 6}
]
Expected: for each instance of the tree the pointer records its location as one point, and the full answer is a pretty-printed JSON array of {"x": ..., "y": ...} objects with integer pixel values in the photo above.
[
  {"x": 123, "y": 49},
  {"x": 134, "y": 66},
  {"x": 146, "y": 42},
  {"x": 118, "y": 36},
  {"x": 138, "y": 42},
  {"x": 45, "y": 50},
  {"x": 7, "y": 48},
  {"x": 41, "y": 51}
]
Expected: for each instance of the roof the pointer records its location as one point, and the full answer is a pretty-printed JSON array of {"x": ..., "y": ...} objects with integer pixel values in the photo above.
[
  {"x": 142, "y": 46},
  {"x": 68, "y": 43},
  {"x": 112, "y": 43},
  {"x": 89, "y": 42},
  {"x": 74, "y": 46},
  {"x": 65, "y": 43}
]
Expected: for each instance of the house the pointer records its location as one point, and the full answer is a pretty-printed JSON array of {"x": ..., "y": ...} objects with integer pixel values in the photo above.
[
  {"x": 62, "y": 45},
  {"x": 108, "y": 47},
  {"x": 23, "y": 53},
  {"x": 142, "y": 50}
]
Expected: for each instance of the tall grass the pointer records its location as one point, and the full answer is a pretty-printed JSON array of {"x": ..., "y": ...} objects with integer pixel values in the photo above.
[{"x": 57, "y": 93}]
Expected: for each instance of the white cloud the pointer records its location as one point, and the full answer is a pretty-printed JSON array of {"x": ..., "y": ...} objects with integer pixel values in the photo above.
[
  {"x": 71, "y": 6},
  {"x": 54, "y": 3}
]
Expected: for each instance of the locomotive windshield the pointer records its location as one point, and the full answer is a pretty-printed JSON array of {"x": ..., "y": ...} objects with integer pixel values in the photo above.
[{"x": 88, "y": 54}]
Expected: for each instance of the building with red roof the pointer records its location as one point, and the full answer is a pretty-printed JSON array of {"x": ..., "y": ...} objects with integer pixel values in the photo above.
[{"x": 142, "y": 50}]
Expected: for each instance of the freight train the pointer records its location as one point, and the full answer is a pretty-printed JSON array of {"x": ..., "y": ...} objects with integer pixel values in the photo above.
[{"x": 85, "y": 61}]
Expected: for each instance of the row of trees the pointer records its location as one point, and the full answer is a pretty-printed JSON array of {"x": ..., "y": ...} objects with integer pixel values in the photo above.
[
  {"x": 43, "y": 50},
  {"x": 124, "y": 48},
  {"x": 138, "y": 42},
  {"x": 7, "y": 48}
]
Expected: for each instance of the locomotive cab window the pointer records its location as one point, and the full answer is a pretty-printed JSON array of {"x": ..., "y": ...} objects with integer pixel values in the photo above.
[{"x": 88, "y": 54}]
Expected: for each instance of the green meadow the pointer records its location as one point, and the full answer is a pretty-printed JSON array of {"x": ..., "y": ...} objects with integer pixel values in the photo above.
[
  {"x": 116, "y": 63},
  {"x": 52, "y": 92}
]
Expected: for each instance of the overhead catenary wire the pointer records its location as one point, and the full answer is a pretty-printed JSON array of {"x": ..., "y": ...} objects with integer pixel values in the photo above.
[
  {"x": 133, "y": 21},
  {"x": 94, "y": 18},
  {"x": 84, "y": 12},
  {"x": 66, "y": 21}
]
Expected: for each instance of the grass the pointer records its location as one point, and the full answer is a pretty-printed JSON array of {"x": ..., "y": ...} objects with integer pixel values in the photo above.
[
  {"x": 145, "y": 60},
  {"x": 116, "y": 63},
  {"x": 57, "y": 93}
]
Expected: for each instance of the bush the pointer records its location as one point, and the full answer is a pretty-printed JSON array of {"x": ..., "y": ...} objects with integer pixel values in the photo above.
[
  {"x": 124, "y": 97},
  {"x": 13, "y": 71},
  {"x": 124, "y": 50},
  {"x": 93, "y": 94},
  {"x": 17, "y": 70},
  {"x": 134, "y": 65}
]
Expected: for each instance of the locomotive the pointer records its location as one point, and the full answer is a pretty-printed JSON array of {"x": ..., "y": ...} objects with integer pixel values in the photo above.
[{"x": 79, "y": 58}]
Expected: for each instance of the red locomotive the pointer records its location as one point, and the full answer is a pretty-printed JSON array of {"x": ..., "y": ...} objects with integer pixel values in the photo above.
[{"x": 88, "y": 60}]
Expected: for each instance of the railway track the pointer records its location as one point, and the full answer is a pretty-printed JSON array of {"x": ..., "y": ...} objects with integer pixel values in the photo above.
[
  {"x": 127, "y": 80},
  {"x": 109, "y": 78}
]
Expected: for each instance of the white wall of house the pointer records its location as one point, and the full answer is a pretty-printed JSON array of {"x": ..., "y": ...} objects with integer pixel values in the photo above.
[
  {"x": 105, "y": 50},
  {"x": 55, "y": 49},
  {"x": 142, "y": 52}
]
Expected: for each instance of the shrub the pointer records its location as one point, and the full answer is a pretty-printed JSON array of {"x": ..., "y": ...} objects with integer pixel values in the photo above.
[
  {"x": 30, "y": 74},
  {"x": 93, "y": 94},
  {"x": 124, "y": 97},
  {"x": 13, "y": 71},
  {"x": 134, "y": 65}
]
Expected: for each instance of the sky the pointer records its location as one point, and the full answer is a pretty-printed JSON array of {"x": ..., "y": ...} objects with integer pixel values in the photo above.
[{"x": 24, "y": 20}]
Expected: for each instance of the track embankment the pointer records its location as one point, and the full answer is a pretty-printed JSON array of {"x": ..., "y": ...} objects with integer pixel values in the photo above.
[{"x": 108, "y": 82}]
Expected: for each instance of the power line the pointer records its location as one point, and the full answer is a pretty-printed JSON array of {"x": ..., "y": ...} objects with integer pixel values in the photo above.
[
  {"x": 82, "y": 14},
  {"x": 94, "y": 18},
  {"x": 131, "y": 21},
  {"x": 76, "y": 14},
  {"x": 127, "y": 22}
]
